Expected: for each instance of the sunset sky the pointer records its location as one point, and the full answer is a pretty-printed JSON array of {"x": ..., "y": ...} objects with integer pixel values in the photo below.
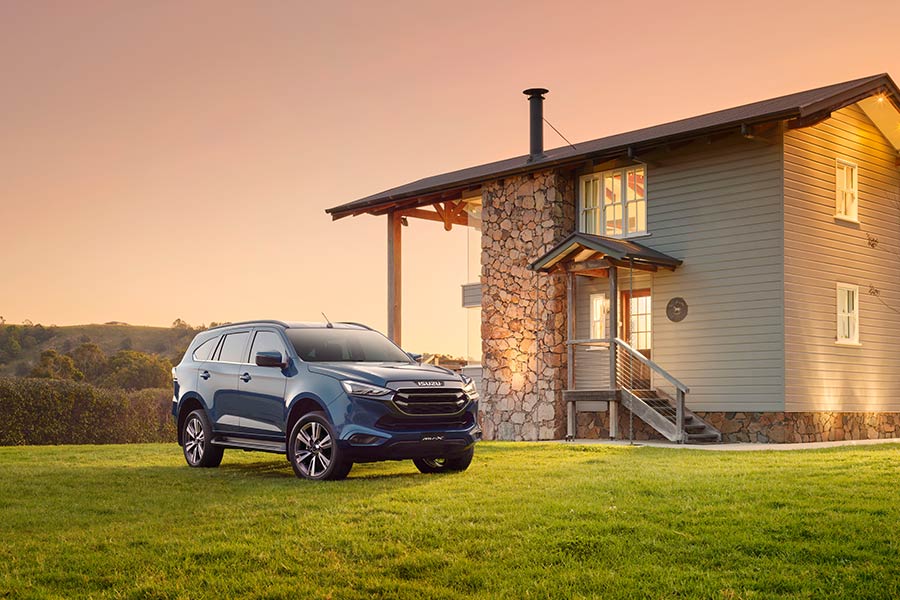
[{"x": 163, "y": 160}]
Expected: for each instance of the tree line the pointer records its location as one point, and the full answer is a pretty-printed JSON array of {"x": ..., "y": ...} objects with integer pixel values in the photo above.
[{"x": 126, "y": 369}]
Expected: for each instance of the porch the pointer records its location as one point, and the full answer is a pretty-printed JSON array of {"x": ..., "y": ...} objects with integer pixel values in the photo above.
[{"x": 609, "y": 337}]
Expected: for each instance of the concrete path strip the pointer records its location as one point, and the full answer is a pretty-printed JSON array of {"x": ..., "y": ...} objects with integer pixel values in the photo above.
[{"x": 733, "y": 447}]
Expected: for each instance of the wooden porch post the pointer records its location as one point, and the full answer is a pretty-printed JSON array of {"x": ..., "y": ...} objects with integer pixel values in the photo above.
[
  {"x": 394, "y": 277},
  {"x": 612, "y": 334},
  {"x": 570, "y": 352}
]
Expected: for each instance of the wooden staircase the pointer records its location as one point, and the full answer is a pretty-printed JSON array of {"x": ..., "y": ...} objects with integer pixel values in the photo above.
[
  {"x": 657, "y": 409},
  {"x": 663, "y": 411}
]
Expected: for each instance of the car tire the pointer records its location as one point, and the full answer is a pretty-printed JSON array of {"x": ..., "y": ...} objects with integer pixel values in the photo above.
[
  {"x": 313, "y": 450},
  {"x": 196, "y": 438},
  {"x": 448, "y": 464}
]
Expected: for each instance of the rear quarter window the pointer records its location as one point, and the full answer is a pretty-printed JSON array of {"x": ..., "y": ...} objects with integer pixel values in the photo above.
[{"x": 205, "y": 350}]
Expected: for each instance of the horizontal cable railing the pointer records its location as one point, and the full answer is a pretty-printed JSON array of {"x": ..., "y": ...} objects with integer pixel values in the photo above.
[
  {"x": 651, "y": 384},
  {"x": 642, "y": 378}
]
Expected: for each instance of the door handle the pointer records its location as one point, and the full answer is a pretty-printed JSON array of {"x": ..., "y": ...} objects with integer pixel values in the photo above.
[
  {"x": 246, "y": 377},
  {"x": 204, "y": 375}
]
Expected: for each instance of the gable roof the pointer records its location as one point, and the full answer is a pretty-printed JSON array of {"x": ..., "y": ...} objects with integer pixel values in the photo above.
[
  {"x": 810, "y": 104},
  {"x": 616, "y": 250}
]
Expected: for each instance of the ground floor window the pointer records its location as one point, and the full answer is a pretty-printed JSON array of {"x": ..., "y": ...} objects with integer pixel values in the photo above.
[
  {"x": 599, "y": 316},
  {"x": 847, "y": 314}
]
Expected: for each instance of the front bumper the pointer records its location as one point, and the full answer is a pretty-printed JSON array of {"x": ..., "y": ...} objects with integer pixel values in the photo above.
[
  {"x": 409, "y": 444},
  {"x": 376, "y": 430}
]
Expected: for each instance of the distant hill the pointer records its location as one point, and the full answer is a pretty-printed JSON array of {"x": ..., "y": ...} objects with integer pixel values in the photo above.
[{"x": 169, "y": 342}]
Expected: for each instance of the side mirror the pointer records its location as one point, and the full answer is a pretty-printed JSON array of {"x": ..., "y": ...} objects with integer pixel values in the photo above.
[
  {"x": 415, "y": 357},
  {"x": 270, "y": 359}
]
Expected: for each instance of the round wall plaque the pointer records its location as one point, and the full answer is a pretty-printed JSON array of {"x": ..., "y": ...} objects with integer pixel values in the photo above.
[{"x": 676, "y": 309}]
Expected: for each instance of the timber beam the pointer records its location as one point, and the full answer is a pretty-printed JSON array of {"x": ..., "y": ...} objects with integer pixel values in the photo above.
[
  {"x": 433, "y": 215},
  {"x": 808, "y": 121}
]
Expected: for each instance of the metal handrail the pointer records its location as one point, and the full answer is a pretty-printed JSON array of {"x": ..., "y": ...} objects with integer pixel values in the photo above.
[
  {"x": 589, "y": 342},
  {"x": 621, "y": 373},
  {"x": 653, "y": 366}
]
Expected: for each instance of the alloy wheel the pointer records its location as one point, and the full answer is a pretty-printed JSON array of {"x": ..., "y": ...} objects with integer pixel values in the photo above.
[
  {"x": 194, "y": 438},
  {"x": 313, "y": 450}
]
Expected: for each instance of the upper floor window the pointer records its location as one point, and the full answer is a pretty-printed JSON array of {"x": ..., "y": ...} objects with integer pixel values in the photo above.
[
  {"x": 847, "y": 314},
  {"x": 614, "y": 203},
  {"x": 846, "y": 191}
]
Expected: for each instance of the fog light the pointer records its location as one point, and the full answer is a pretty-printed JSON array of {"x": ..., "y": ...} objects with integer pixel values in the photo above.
[{"x": 362, "y": 439}]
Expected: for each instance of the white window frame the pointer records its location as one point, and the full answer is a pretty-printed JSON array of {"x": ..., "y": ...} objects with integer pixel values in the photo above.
[
  {"x": 841, "y": 193},
  {"x": 844, "y": 315},
  {"x": 597, "y": 213},
  {"x": 599, "y": 324}
]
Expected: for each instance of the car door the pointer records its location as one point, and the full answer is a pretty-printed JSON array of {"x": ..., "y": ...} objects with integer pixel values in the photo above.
[
  {"x": 262, "y": 388},
  {"x": 218, "y": 382}
]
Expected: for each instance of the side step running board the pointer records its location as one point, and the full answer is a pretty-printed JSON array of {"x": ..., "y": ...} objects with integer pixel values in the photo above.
[{"x": 247, "y": 444}]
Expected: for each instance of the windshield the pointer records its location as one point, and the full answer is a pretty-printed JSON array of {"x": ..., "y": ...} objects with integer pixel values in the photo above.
[{"x": 344, "y": 345}]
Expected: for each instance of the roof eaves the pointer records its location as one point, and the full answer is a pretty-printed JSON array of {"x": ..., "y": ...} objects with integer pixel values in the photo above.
[
  {"x": 353, "y": 209},
  {"x": 836, "y": 101}
]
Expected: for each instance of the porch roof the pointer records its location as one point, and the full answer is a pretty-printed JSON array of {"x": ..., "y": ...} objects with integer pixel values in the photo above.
[{"x": 618, "y": 252}]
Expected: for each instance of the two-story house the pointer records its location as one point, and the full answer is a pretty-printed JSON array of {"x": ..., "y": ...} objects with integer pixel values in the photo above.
[{"x": 732, "y": 276}]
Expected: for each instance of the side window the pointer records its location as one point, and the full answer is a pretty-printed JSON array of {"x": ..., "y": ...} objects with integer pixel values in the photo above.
[
  {"x": 846, "y": 191},
  {"x": 599, "y": 317},
  {"x": 233, "y": 347},
  {"x": 847, "y": 314},
  {"x": 266, "y": 341},
  {"x": 205, "y": 350}
]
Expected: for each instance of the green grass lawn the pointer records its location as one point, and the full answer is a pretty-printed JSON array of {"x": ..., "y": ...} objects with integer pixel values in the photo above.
[{"x": 526, "y": 521}]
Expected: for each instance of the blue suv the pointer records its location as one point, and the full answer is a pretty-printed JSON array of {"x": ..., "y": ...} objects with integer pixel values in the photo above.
[{"x": 326, "y": 395}]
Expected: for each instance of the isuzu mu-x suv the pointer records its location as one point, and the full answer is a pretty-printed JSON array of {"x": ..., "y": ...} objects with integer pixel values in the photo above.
[{"x": 326, "y": 395}]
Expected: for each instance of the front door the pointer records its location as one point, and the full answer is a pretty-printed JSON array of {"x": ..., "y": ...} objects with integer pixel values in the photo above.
[
  {"x": 261, "y": 389},
  {"x": 636, "y": 330}
]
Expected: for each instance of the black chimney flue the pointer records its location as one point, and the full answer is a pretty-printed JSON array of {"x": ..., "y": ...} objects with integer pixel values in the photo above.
[{"x": 536, "y": 119}]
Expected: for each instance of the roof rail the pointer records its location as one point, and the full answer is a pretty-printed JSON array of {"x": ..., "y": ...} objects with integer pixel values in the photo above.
[
  {"x": 257, "y": 322},
  {"x": 364, "y": 326}
]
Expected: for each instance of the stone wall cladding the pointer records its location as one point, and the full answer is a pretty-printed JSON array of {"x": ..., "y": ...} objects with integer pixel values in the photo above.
[
  {"x": 777, "y": 427},
  {"x": 595, "y": 426},
  {"x": 524, "y": 313}
]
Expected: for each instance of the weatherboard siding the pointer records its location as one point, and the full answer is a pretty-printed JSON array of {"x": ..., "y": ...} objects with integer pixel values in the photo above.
[
  {"x": 718, "y": 207},
  {"x": 821, "y": 251}
]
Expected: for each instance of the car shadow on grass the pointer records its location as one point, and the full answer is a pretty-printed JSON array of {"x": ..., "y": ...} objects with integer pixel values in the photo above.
[{"x": 282, "y": 470}]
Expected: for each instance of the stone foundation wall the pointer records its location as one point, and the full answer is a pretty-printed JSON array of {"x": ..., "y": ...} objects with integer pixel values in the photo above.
[
  {"x": 782, "y": 427},
  {"x": 777, "y": 427},
  {"x": 524, "y": 313},
  {"x": 595, "y": 426}
]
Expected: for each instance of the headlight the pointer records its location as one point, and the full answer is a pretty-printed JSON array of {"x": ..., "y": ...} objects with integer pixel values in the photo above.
[
  {"x": 357, "y": 388},
  {"x": 469, "y": 387}
]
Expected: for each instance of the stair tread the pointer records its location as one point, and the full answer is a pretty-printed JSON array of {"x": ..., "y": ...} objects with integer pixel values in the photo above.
[{"x": 694, "y": 429}]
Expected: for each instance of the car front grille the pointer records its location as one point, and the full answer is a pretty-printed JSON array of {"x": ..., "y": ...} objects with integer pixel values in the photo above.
[
  {"x": 435, "y": 423},
  {"x": 430, "y": 401}
]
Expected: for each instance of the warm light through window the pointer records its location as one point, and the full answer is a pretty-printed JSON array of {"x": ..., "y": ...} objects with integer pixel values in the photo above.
[
  {"x": 846, "y": 191},
  {"x": 622, "y": 210},
  {"x": 847, "y": 314}
]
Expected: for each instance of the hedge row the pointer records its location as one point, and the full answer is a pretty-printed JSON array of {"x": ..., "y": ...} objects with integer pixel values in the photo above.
[{"x": 52, "y": 411}]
